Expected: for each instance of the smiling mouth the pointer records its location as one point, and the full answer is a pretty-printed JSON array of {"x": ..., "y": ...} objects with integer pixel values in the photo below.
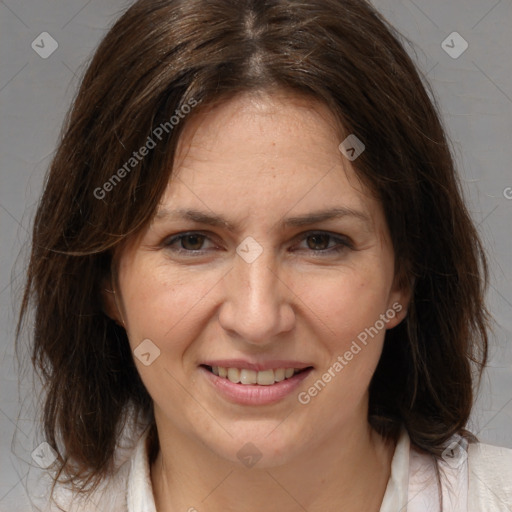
[{"x": 245, "y": 376}]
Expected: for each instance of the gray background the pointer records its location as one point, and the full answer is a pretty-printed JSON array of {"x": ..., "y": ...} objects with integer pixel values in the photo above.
[{"x": 475, "y": 95}]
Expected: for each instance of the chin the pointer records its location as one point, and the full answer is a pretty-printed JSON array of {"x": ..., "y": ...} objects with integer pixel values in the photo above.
[{"x": 259, "y": 448}]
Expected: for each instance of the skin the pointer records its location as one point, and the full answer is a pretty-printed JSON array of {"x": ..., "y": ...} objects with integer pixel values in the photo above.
[{"x": 256, "y": 160}]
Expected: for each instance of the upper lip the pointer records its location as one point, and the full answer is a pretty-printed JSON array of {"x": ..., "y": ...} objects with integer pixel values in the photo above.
[{"x": 257, "y": 366}]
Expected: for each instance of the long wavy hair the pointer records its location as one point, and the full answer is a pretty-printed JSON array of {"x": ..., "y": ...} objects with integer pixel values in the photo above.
[{"x": 164, "y": 54}]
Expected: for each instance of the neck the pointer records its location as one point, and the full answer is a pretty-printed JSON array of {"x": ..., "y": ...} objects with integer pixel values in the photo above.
[{"x": 349, "y": 470}]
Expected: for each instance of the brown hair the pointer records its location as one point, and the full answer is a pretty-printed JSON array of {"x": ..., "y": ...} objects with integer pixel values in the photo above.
[{"x": 164, "y": 54}]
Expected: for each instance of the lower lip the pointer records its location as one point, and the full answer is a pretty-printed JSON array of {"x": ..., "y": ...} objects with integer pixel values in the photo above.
[{"x": 249, "y": 394}]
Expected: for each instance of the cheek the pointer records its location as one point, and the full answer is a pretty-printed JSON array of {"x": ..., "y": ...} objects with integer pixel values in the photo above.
[
  {"x": 160, "y": 304},
  {"x": 348, "y": 312},
  {"x": 168, "y": 308},
  {"x": 346, "y": 303}
]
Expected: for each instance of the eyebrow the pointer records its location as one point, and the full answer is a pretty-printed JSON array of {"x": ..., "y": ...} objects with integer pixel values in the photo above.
[{"x": 201, "y": 217}]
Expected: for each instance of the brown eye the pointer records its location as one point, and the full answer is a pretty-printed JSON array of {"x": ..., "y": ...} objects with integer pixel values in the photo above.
[
  {"x": 324, "y": 243},
  {"x": 318, "y": 242},
  {"x": 188, "y": 244},
  {"x": 192, "y": 242}
]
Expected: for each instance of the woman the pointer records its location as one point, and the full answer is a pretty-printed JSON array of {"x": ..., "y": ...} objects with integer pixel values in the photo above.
[{"x": 252, "y": 261}]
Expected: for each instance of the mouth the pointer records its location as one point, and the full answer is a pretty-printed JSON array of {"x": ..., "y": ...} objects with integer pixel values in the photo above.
[
  {"x": 248, "y": 387},
  {"x": 246, "y": 376}
]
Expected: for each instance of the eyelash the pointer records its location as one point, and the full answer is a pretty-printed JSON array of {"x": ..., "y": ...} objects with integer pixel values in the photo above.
[{"x": 344, "y": 243}]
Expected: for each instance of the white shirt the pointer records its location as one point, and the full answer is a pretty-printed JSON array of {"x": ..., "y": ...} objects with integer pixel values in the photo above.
[{"x": 475, "y": 478}]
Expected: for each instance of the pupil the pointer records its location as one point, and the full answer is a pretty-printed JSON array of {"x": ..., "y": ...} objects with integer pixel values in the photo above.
[
  {"x": 197, "y": 241},
  {"x": 318, "y": 240}
]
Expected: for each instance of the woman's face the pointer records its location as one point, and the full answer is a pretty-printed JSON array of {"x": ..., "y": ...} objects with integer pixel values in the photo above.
[{"x": 263, "y": 276}]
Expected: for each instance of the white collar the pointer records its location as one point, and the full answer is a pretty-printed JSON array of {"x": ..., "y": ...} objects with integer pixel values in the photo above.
[
  {"x": 396, "y": 493},
  {"x": 139, "y": 493}
]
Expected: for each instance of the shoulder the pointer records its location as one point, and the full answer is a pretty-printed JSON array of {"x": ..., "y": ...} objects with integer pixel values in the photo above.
[
  {"x": 490, "y": 477},
  {"x": 111, "y": 494},
  {"x": 473, "y": 477}
]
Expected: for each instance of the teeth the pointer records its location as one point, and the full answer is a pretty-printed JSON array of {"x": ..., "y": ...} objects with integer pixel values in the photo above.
[
  {"x": 279, "y": 374},
  {"x": 234, "y": 375},
  {"x": 263, "y": 378},
  {"x": 248, "y": 376}
]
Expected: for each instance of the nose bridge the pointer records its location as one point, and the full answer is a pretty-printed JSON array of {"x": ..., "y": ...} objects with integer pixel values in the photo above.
[
  {"x": 261, "y": 278},
  {"x": 257, "y": 304}
]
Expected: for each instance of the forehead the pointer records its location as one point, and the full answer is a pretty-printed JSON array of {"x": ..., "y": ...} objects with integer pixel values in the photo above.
[
  {"x": 264, "y": 155},
  {"x": 269, "y": 127}
]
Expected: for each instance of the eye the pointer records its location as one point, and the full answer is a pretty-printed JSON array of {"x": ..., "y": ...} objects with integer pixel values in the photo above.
[
  {"x": 320, "y": 243},
  {"x": 192, "y": 242},
  {"x": 323, "y": 242}
]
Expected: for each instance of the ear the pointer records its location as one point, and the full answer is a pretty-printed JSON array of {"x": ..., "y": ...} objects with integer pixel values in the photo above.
[
  {"x": 109, "y": 301},
  {"x": 399, "y": 300}
]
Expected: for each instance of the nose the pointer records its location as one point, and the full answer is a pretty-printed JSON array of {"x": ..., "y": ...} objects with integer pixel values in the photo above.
[{"x": 258, "y": 305}]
